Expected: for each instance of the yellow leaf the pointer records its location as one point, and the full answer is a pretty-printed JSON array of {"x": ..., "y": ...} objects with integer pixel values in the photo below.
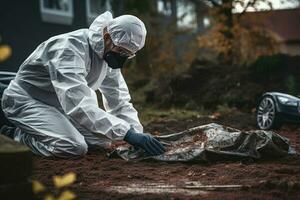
[
  {"x": 67, "y": 179},
  {"x": 66, "y": 195},
  {"x": 5, "y": 52},
  {"x": 37, "y": 187},
  {"x": 49, "y": 197}
]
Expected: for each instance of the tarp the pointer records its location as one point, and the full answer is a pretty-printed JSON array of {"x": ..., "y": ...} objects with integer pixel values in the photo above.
[
  {"x": 214, "y": 142},
  {"x": 5, "y": 78}
]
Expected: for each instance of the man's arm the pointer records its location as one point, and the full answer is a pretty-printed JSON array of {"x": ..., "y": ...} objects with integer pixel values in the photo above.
[
  {"x": 116, "y": 99},
  {"x": 67, "y": 73}
]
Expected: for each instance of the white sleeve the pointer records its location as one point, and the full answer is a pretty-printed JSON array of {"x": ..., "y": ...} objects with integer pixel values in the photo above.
[
  {"x": 67, "y": 73},
  {"x": 116, "y": 99}
]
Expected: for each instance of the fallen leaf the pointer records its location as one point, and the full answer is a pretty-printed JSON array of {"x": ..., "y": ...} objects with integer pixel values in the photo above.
[
  {"x": 5, "y": 52},
  {"x": 62, "y": 181},
  {"x": 215, "y": 115},
  {"x": 66, "y": 195},
  {"x": 49, "y": 197},
  {"x": 37, "y": 187}
]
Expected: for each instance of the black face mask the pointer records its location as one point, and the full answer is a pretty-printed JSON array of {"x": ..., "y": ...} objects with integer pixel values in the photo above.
[{"x": 114, "y": 59}]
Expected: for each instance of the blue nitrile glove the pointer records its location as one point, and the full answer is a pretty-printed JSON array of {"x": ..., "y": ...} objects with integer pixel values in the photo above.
[{"x": 145, "y": 141}]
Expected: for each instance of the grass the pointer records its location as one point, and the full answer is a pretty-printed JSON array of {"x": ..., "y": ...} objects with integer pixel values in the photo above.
[{"x": 149, "y": 114}]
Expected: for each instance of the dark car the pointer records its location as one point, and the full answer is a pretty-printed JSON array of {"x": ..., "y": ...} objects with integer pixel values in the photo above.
[
  {"x": 275, "y": 108},
  {"x": 5, "y": 78}
]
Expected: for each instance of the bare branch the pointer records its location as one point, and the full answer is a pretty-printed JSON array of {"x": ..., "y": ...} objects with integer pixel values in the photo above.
[{"x": 250, "y": 3}]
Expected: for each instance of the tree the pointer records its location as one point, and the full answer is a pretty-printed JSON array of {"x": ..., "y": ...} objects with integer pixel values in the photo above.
[{"x": 227, "y": 30}]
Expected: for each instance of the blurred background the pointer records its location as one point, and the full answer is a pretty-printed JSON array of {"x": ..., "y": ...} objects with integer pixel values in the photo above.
[{"x": 200, "y": 55}]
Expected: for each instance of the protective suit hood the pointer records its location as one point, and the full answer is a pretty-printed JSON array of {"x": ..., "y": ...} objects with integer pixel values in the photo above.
[
  {"x": 127, "y": 31},
  {"x": 95, "y": 34}
]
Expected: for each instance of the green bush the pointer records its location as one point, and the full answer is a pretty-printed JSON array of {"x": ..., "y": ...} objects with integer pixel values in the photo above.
[
  {"x": 268, "y": 64},
  {"x": 291, "y": 84}
]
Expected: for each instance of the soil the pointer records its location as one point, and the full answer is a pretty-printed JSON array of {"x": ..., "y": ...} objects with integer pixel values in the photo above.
[{"x": 97, "y": 174}]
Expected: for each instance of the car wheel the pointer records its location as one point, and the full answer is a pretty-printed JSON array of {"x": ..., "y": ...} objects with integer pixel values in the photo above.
[{"x": 267, "y": 115}]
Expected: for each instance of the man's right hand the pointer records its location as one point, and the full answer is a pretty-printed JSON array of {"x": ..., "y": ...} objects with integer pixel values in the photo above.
[{"x": 145, "y": 141}]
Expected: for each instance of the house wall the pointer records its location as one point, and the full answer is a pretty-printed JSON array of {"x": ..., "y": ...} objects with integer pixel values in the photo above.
[
  {"x": 293, "y": 49},
  {"x": 22, "y": 28},
  {"x": 290, "y": 48}
]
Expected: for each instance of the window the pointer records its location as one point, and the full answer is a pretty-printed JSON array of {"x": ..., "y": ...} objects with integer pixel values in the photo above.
[
  {"x": 96, "y": 7},
  {"x": 164, "y": 7},
  {"x": 206, "y": 22},
  {"x": 186, "y": 15},
  {"x": 57, "y": 11},
  {"x": 182, "y": 9}
]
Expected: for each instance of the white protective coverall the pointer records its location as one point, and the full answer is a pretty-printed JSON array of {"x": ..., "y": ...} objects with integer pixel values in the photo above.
[{"x": 52, "y": 100}]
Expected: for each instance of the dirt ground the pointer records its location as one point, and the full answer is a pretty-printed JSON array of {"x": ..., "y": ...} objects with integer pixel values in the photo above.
[{"x": 98, "y": 176}]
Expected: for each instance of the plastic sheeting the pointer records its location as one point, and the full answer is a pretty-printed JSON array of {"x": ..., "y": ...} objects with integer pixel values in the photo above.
[
  {"x": 5, "y": 78},
  {"x": 214, "y": 142}
]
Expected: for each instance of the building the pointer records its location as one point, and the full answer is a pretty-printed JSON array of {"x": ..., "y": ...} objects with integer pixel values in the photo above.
[
  {"x": 284, "y": 25},
  {"x": 25, "y": 24}
]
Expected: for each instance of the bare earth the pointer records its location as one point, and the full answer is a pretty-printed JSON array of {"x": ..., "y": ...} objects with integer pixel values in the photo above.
[{"x": 100, "y": 177}]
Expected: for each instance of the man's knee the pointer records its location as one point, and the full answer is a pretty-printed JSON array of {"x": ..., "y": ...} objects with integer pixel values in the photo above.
[{"x": 71, "y": 149}]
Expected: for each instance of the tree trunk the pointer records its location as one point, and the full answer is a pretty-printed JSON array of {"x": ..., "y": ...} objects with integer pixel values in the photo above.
[{"x": 225, "y": 17}]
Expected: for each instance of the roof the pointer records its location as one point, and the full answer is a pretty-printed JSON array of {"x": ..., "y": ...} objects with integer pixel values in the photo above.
[{"x": 285, "y": 23}]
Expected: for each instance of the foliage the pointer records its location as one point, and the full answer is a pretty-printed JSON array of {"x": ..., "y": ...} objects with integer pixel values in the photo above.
[
  {"x": 267, "y": 64},
  {"x": 150, "y": 74},
  {"x": 250, "y": 44},
  {"x": 59, "y": 182},
  {"x": 232, "y": 40},
  {"x": 165, "y": 58},
  {"x": 62, "y": 181},
  {"x": 168, "y": 50},
  {"x": 5, "y": 51},
  {"x": 246, "y": 47},
  {"x": 291, "y": 84}
]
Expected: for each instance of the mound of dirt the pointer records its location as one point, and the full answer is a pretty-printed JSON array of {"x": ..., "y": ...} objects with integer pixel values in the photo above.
[{"x": 210, "y": 85}]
